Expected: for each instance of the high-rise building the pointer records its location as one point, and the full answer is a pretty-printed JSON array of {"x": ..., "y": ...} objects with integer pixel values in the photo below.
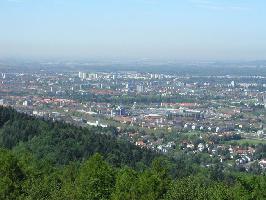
[
  {"x": 233, "y": 84},
  {"x": 140, "y": 88},
  {"x": 3, "y": 75},
  {"x": 264, "y": 100},
  {"x": 80, "y": 74},
  {"x": 84, "y": 75}
]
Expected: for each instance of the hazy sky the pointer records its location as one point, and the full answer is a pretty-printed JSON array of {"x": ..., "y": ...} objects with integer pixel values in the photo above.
[{"x": 179, "y": 29}]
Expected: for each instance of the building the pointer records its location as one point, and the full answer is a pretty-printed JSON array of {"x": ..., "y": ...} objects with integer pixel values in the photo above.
[
  {"x": 120, "y": 111},
  {"x": 82, "y": 75},
  {"x": 97, "y": 124},
  {"x": 264, "y": 100},
  {"x": 25, "y": 103},
  {"x": 233, "y": 84},
  {"x": 92, "y": 76},
  {"x": 3, "y": 75},
  {"x": 140, "y": 88}
]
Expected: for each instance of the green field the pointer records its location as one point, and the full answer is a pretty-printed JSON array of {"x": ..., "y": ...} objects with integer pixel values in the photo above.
[{"x": 249, "y": 141}]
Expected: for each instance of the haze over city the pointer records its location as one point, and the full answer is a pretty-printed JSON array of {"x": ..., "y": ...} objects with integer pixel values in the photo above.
[
  {"x": 155, "y": 29},
  {"x": 133, "y": 99}
]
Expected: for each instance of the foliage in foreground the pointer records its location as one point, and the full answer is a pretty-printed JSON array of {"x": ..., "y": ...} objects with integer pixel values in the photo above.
[
  {"x": 45, "y": 160},
  {"x": 25, "y": 178}
]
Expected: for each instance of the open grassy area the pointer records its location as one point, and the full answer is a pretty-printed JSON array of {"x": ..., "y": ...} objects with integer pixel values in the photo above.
[{"x": 249, "y": 141}]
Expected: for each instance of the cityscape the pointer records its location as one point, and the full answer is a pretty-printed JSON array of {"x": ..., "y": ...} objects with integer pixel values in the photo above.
[
  {"x": 216, "y": 117},
  {"x": 132, "y": 100}
]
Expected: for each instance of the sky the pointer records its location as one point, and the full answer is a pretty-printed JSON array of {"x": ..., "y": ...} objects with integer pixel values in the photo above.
[{"x": 155, "y": 29}]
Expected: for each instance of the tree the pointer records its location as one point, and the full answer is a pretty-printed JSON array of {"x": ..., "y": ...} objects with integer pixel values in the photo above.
[
  {"x": 11, "y": 176},
  {"x": 150, "y": 186},
  {"x": 96, "y": 179},
  {"x": 259, "y": 185},
  {"x": 219, "y": 191},
  {"x": 188, "y": 188},
  {"x": 126, "y": 185}
]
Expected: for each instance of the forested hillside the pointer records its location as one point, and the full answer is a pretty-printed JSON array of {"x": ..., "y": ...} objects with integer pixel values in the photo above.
[
  {"x": 41, "y": 159},
  {"x": 60, "y": 143}
]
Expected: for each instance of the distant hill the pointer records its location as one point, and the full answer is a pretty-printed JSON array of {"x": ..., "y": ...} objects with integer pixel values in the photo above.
[{"x": 195, "y": 68}]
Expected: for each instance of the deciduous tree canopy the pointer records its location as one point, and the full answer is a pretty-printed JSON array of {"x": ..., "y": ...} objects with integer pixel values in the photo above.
[{"x": 51, "y": 160}]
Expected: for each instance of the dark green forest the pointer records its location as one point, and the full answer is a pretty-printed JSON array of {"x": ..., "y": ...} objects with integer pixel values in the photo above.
[{"x": 41, "y": 159}]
